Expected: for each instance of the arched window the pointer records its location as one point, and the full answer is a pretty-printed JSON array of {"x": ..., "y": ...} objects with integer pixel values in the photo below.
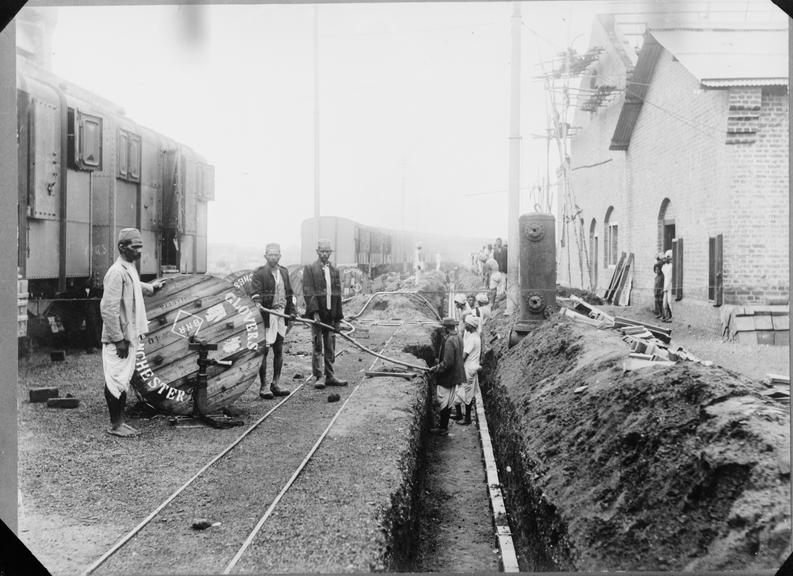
[
  {"x": 666, "y": 226},
  {"x": 611, "y": 239}
]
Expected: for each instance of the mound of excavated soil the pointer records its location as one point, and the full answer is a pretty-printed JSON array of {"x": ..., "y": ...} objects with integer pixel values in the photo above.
[{"x": 666, "y": 468}]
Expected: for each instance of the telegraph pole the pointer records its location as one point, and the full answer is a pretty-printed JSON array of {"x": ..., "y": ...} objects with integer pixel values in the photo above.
[
  {"x": 316, "y": 121},
  {"x": 513, "y": 203}
]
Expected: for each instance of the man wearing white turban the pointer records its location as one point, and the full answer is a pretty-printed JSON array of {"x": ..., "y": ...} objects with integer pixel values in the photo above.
[{"x": 123, "y": 326}]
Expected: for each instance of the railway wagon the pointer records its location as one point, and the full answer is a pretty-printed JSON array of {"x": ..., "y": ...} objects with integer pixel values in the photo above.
[
  {"x": 85, "y": 172},
  {"x": 374, "y": 249}
]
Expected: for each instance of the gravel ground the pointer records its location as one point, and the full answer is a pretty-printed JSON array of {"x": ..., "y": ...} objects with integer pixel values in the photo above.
[
  {"x": 670, "y": 468},
  {"x": 351, "y": 509}
]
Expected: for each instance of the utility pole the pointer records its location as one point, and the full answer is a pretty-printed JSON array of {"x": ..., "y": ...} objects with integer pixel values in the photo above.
[
  {"x": 316, "y": 121},
  {"x": 513, "y": 203}
]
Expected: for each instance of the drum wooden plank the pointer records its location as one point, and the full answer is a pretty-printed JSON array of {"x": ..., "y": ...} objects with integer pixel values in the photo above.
[
  {"x": 233, "y": 326},
  {"x": 218, "y": 313},
  {"x": 241, "y": 280}
]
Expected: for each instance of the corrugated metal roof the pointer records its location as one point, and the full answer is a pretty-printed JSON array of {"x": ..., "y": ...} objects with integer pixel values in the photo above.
[
  {"x": 717, "y": 58},
  {"x": 730, "y": 57}
]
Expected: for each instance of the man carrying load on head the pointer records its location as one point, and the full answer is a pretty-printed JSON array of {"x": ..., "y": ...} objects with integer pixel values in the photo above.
[
  {"x": 270, "y": 287},
  {"x": 124, "y": 324}
]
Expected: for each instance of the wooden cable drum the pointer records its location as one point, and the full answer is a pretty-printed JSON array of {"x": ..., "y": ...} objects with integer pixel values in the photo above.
[{"x": 214, "y": 311}]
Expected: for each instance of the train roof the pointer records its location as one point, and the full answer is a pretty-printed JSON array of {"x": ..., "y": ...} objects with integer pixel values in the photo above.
[{"x": 42, "y": 83}]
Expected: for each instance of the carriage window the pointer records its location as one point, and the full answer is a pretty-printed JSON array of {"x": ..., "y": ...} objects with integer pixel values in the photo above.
[
  {"x": 134, "y": 157},
  {"x": 89, "y": 138},
  {"x": 129, "y": 150},
  {"x": 123, "y": 148}
]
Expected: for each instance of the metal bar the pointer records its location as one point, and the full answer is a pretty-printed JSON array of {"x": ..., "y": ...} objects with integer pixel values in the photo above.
[
  {"x": 343, "y": 335},
  {"x": 509, "y": 560},
  {"x": 294, "y": 476}
]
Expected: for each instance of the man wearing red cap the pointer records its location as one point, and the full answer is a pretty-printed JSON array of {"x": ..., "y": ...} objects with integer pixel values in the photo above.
[
  {"x": 322, "y": 293},
  {"x": 123, "y": 326}
]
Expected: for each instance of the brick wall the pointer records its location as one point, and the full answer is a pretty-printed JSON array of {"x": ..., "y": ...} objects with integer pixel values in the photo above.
[{"x": 679, "y": 152}]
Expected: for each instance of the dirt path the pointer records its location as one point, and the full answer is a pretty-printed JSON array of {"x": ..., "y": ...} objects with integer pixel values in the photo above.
[{"x": 456, "y": 525}]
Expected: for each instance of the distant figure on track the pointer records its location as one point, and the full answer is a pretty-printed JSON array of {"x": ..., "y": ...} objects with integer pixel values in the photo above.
[
  {"x": 123, "y": 325},
  {"x": 322, "y": 292},
  {"x": 270, "y": 287},
  {"x": 472, "y": 347},
  {"x": 449, "y": 373}
]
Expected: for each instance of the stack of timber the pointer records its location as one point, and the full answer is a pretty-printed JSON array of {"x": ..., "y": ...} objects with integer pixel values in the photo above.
[
  {"x": 619, "y": 289},
  {"x": 779, "y": 388},
  {"x": 762, "y": 324},
  {"x": 650, "y": 345}
]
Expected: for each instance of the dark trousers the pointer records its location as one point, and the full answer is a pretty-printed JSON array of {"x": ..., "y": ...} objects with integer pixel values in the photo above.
[
  {"x": 659, "y": 303},
  {"x": 278, "y": 360},
  {"x": 323, "y": 340}
]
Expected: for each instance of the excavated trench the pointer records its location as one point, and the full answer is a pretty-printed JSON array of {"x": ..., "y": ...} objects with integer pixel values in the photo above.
[{"x": 668, "y": 468}]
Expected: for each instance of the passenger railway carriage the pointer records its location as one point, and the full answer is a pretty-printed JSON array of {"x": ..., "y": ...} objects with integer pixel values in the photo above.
[
  {"x": 85, "y": 172},
  {"x": 374, "y": 249}
]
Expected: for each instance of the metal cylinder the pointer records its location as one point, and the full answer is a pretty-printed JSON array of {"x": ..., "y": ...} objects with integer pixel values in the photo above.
[{"x": 537, "y": 271}]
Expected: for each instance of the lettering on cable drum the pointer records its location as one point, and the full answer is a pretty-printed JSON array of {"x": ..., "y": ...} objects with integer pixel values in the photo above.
[{"x": 211, "y": 309}]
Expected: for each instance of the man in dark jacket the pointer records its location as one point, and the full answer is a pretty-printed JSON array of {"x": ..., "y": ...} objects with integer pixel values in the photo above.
[
  {"x": 322, "y": 293},
  {"x": 500, "y": 256},
  {"x": 449, "y": 373},
  {"x": 271, "y": 288}
]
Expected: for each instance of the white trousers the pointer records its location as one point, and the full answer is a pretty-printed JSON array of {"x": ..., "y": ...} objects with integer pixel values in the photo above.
[
  {"x": 446, "y": 396},
  {"x": 118, "y": 371}
]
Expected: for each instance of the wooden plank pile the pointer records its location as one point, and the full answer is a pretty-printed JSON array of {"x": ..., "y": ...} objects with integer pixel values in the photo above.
[
  {"x": 779, "y": 388},
  {"x": 619, "y": 289},
  {"x": 762, "y": 324},
  {"x": 650, "y": 345}
]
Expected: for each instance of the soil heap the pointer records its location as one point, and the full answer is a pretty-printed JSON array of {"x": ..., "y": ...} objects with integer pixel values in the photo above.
[{"x": 683, "y": 467}]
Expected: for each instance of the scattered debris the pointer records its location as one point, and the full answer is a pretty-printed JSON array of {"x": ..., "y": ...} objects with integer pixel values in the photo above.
[
  {"x": 201, "y": 524},
  {"x": 333, "y": 397},
  {"x": 580, "y": 389},
  {"x": 761, "y": 324},
  {"x": 297, "y": 376},
  {"x": 68, "y": 402},
  {"x": 42, "y": 394}
]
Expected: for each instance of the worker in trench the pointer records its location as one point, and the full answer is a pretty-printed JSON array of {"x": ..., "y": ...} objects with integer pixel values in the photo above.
[
  {"x": 124, "y": 324},
  {"x": 449, "y": 373},
  {"x": 271, "y": 288},
  {"x": 322, "y": 293},
  {"x": 472, "y": 347},
  {"x": 461, "y": 309}
]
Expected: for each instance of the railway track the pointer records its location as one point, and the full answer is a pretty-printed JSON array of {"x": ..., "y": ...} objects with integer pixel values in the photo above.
[{"x": 239, "y": 490}]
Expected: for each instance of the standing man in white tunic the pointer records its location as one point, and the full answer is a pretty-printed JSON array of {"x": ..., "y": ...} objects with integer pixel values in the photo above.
[
  {"x": 124, "y": 324},
  {"x": 471, "y": 351}
]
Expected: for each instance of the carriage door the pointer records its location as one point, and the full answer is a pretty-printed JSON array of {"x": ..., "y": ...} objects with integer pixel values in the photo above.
[{"x": 170, "y": 209}]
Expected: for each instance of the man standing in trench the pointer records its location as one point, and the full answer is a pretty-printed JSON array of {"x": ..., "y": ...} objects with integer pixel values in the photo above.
[
  {"x": 270, "y": 287},
  {"x": 124, "y": 324},
  {"x": 322, "y": 293},
  {"x": 449, "y": 372}
]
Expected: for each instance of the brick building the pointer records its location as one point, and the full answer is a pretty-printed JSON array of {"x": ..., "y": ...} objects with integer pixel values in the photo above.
[{"x": 687, "y": 150}]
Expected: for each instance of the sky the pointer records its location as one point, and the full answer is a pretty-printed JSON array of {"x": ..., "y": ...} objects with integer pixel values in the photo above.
[{"x": 413, "y": 104}]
